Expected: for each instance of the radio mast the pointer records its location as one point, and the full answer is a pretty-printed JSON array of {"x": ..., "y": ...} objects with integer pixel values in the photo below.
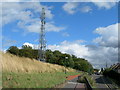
[{"x": 42, "y": 41}]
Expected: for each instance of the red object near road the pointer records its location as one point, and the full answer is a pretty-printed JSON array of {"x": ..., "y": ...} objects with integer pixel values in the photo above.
[{"x": 72, "y": 77}]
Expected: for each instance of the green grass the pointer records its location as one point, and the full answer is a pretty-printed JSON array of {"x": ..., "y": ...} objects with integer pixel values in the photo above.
[{"x": 34, "y": 80}]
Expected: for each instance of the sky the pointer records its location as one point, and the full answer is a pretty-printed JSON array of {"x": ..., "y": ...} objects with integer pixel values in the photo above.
[{"x": 86, "y": 29}]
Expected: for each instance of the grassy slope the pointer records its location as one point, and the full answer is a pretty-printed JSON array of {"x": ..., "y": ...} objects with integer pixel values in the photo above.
[
  {"x": 34, "y": 80},
  {"x": 26, "y": 73},
  {"x": 13, "y": 63}
]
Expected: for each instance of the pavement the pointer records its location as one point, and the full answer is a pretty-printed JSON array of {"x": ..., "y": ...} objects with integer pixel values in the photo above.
[{"x": 74, "y": 85}]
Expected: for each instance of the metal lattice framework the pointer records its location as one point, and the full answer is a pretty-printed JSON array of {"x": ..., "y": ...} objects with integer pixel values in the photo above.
[{"x": 42, "y": 41}]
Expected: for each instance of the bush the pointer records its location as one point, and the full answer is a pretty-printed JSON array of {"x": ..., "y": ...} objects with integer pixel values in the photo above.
[
  {"x": 112, "y": 74},
  {"x": 89, "y": 78}
]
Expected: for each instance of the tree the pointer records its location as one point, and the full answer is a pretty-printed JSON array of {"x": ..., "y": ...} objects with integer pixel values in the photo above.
[
  {"x": 66, "y": 60},
  {"x": 83, "y": 65},
  {"x": 26, "y": 51},
  {"x": 13, "y": 50},
  {"x": 35, "y": 54},
  {"x": 50, "y": 57},
  {"x": 57, "y": 54},
  {"x": 26, "y": 47}
]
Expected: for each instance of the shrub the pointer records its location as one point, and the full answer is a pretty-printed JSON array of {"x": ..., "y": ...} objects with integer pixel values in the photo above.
[
  {"x": 89, "y": 78},
  {"x": 112, "y": 74}
]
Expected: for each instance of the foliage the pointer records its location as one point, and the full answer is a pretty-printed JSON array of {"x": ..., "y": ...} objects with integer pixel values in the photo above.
[
  {"x": 26, "y": 47},
  {"x": 112, "y": 74},
  {"x": 54, "y": 57},
  {"x": 83, "y": 65},
  {"x": 13, "y": 50},
  {"x": 89, "y": 78}
]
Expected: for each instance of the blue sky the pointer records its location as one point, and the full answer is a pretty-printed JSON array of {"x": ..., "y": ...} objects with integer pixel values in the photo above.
[{"x": 79, "y": 24}]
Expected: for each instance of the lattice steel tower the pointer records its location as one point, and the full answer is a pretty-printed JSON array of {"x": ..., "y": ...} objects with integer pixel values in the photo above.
[{"x": 42, "y": 41}]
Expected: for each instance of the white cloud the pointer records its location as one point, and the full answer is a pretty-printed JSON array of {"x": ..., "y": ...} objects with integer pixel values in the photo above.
[
  {"x": 35, "y": 27},
  {"x": 104, "y": 4},
  {"x": 34, "y": 46},
  {"x": 51, "y": 27},
  {"x": 70, "y": 7},
  {"x": 86, "y": 9},
  {"x": 108, "y": 36},
  {"x": 99, "y": 55},
  {"x": 24, "y": 14},
  {"x": 71, "y": 47},
  {"x": 28, "y": 44},
  {"x": 21, "y": 11},
  {"x": 15, "y": 10}
]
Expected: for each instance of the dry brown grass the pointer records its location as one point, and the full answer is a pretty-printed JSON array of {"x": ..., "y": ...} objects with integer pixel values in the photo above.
[{"x": 14, "y": 63}]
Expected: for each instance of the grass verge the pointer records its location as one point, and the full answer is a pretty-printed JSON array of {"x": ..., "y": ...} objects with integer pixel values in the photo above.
[
  {"x": 34, "y": 80},
  {"x": 90, "y": 79}
]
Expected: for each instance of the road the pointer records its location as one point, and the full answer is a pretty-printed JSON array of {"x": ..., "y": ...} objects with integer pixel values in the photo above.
[{"x": 102, "y": 82}]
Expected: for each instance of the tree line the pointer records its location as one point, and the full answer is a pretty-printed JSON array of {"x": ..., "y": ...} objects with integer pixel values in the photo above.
[{"x": 54, "y": 57}]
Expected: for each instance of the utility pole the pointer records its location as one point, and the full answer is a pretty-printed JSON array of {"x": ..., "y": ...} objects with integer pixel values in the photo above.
[{"x": 42, "y": 41}]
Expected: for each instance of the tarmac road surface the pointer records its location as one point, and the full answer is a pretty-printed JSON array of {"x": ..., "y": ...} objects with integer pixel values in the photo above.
[{"x": 103, "y": 83}]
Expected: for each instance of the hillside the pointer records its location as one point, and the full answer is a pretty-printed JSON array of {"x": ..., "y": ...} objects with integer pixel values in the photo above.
[
  {"x": 12, "y": 63},
  {"x": 20, "y": 72}
]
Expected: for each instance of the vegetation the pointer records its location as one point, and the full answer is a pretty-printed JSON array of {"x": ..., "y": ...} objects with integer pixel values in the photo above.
[
  {"x": 34, "y": 80},
  {"x": 21, "y": 72},
  {"x": 89, "y": 78},
  {"x": 12, "y": 63},
  {"x": 13, "y": 50},
  {"x": 112, "y": 74},
  {"x": 54, "y": 57}
]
